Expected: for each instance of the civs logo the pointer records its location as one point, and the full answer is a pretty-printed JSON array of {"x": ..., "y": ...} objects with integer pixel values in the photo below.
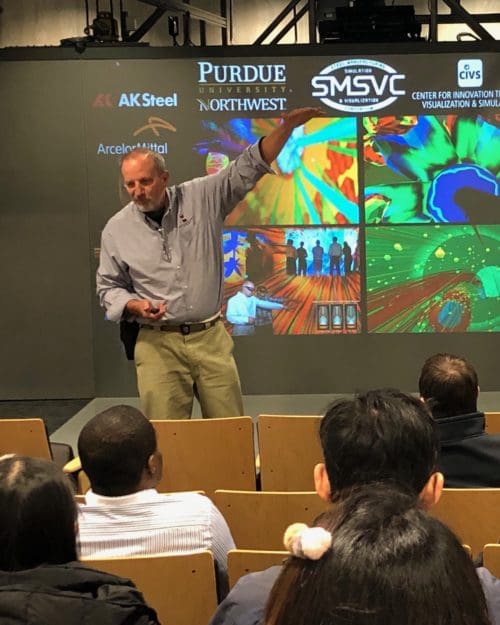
[
  {"x": 470, "y": 73},
  {"x": 358, "y": 85}
]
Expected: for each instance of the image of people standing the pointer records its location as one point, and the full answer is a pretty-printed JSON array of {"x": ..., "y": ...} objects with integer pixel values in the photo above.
[
  {"x": 318, "y": 252},
  {"x": 291, "y": 258},
  {"x": 242, "y": 309},
  {"x": 302, "y": 262},
  {"x": 335, "y": 253},
  {"x": 347, "y": 258}
]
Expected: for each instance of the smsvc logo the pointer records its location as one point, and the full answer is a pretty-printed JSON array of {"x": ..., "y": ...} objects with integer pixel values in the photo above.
[
  {"x": 470, "y": 73},
  {"x": 358, "y": 85}
]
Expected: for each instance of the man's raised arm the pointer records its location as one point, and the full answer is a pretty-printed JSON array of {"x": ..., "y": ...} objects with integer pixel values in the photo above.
[{"x": 272, "y": 145}]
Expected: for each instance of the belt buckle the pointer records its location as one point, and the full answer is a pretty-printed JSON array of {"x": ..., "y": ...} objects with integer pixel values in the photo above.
[{"x": 185, "y": 329}]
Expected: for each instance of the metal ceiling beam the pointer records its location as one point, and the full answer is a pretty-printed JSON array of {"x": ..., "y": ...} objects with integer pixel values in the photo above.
[
  {"x": 184, "y": 7},
  {"x": 148, "y": 23},
  {"x": 276, "y": 21},
  {"x": 470, "y": 19}
]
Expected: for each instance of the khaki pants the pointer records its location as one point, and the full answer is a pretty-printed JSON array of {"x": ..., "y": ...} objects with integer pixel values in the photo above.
[{"x": 169, "y": 363}]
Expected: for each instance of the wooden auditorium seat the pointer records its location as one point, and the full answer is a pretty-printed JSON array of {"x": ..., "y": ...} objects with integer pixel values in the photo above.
[
  {"x": 492, "y": 422},
  {"x": 289, "y": 448},
  {"x": 25, "y": 437},
  {"x": 243, "y": 561},
  {"x": 258, "y": 520},
  {"x": 491, "y": 558},
  {"x": 181, "y": 588},
  {"x": 472, "y": 513},
  {"x": 206, "y": 454}
]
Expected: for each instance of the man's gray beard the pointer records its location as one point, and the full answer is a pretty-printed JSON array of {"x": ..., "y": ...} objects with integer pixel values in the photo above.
[{"x": 148, "y": 208}]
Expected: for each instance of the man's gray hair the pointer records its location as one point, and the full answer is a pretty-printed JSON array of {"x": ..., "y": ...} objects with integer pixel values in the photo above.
[{"x": 158, "y": 159}]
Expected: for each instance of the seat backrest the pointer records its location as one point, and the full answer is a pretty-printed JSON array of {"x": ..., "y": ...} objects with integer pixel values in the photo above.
[
  {"x": 472, "y": 513},
  {"x": 26, "y": 437},
  {"x": 181, "y": 588},
  {"x": 491, "y": 558},
  {"x": 243, "y": 561},
  {"x": 492, "y": 422},
  {"x": 258, "y": 520},
  {"x": 289, "y": 448},
  {"x": 206, "y": 454}
]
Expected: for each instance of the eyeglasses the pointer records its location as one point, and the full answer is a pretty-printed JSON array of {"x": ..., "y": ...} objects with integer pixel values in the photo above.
[{"x": 249, "y": 288}]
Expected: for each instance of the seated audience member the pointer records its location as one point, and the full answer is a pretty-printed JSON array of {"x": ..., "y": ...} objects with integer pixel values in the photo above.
[
  {"x": 123, "y": 513},
  {"x": 468, "y": 457},
  {"x": 378, "y": 559},
  {"x": 41, "y": 582},
  {"x": 383, "y": 436}
]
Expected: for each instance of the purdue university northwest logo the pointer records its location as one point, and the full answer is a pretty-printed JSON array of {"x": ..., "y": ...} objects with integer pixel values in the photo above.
[{"x": 358, "y": 85}]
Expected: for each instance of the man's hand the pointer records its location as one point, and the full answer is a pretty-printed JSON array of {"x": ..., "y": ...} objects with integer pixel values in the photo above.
[
  {"x": 272, "y": 145},
  {"x": 251, "y": 320},
  {"x": 297, "y": 117},
  {"x": 145, "y": 309}
]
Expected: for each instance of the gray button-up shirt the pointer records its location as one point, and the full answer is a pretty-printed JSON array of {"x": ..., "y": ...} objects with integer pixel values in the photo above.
[{"x": 180, "y": 262}]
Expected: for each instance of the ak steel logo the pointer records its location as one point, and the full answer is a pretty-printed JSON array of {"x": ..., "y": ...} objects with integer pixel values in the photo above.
[
  {"x": 135, "y": 99},
  {"x": 358, "y": 85}
]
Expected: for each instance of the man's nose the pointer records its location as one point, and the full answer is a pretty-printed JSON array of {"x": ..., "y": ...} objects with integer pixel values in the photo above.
[{"x": 138, "y": 189}]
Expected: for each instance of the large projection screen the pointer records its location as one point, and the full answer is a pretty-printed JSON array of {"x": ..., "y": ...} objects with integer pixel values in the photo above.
[{"x": 378, "y": 237}]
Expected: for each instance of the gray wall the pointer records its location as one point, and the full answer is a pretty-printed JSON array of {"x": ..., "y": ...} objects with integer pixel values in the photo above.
[
  {"x": 55, "y": 343},
  {"x": 55, "y": 340},
  {"x": 46, "y": 301}
]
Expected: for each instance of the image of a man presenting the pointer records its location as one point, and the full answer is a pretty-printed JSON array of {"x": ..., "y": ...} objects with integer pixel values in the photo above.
[
  {"x": 161, "y": 264},
  {"x": 242, "y": 309}
]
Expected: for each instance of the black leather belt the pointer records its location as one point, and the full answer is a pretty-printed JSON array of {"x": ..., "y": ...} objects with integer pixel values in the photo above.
[{"x": 183, "y": 328}]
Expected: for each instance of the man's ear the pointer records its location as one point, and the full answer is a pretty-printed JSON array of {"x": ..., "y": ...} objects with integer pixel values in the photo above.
[
  {"x": 431, "y": 492},
  {"x": 321, "y": 482},
  {"x": 155, "y": 466}
]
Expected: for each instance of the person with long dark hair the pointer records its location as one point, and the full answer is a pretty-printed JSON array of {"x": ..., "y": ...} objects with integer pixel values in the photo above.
[
  {"x": 376, "y": 558},
  {"x": 41, "y": 581}
]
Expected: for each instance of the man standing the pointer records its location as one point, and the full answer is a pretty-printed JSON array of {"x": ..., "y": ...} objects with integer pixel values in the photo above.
[
  {"x": 161, "y": 264},
  {"x": 317, "y": 253},
  {"x": 242, "y": 309},
  {"x": 335, "y": 252},
  {"x": 468, "y": 456},
  {"x": 291, "y": 258},
  {"x": 302, "y": 256}
]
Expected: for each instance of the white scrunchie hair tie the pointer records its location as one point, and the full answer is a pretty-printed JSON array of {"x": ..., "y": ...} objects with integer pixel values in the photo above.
[{"x": 307, "y": 542}]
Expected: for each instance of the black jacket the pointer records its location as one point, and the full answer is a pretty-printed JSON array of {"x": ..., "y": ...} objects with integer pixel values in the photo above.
[
  {"x": 468, "y": 457},
  {"x": 70, "y": 594}
]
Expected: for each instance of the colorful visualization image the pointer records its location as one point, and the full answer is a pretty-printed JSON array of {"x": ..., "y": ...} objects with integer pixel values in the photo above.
[
  {"x": 433, "y": 278},
  {"x": 432, "y": 169},
  {"x": 293, "y": 280},
  {"x": 318, "y": 171}
]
